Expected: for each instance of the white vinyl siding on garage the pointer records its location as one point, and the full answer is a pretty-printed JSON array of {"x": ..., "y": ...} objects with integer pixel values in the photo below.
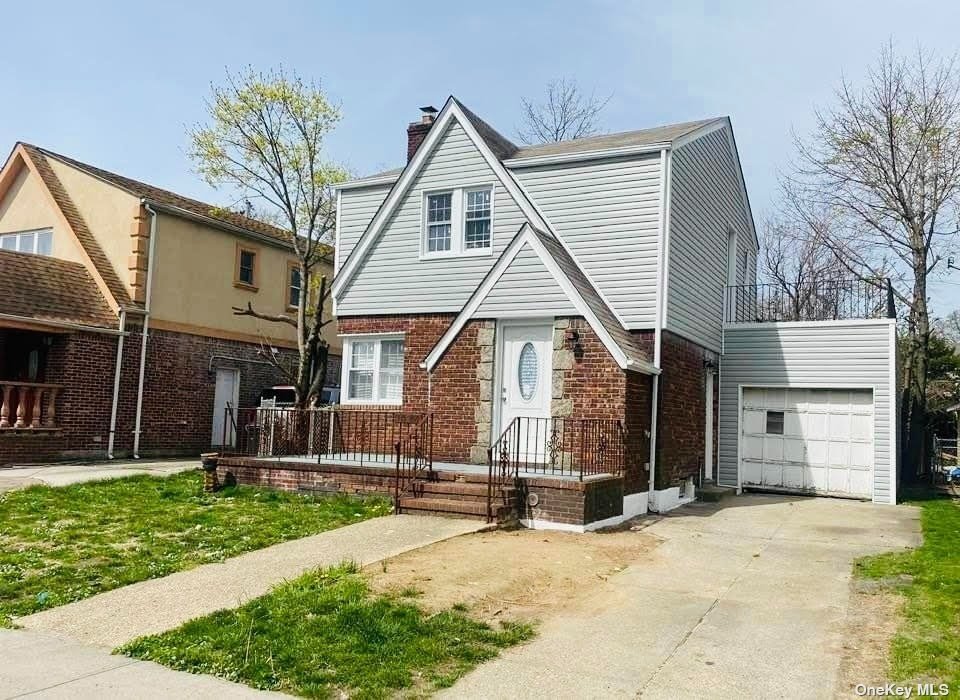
[
  {"x": 843, "y": 355},
  {"x": 357, "y": 209},
  {"x": 525, "y": 289},
  {"x": 607, "y": 212},
  {"x": 705, "y": 203},
  {"x": 393, "y": 278}
]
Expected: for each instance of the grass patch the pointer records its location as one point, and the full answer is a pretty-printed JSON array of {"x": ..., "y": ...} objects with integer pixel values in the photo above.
[
  {"x": 58, "y": 545},
  {"x": 927, "y": 646},
  {"x": 324, "y": 634}
]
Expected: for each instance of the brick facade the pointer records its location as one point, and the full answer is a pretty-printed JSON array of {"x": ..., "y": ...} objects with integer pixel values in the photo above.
[
  {"x": 178, "y": 394},
  {"x": 571, "y": 502}
]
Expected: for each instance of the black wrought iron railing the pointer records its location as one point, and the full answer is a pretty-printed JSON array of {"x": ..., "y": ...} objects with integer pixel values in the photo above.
[
  {"x": 826, "y": 300},
  {"x": 340, "y": 435},
  {"x": 577, "y": 447}
]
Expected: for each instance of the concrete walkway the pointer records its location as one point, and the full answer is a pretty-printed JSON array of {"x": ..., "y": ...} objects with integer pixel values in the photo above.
[
  {"x": 42, "y": 665},
  {"x": 66, "y": 474},
  {"x": 743, "y": 600},
  {"x": 115, "y": 617}
]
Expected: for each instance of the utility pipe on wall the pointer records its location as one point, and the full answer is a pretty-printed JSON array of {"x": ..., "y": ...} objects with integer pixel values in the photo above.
[
  {"x": 116, "y": 384},
  {"x": 653, "y": 430},
  {"x": 146, "y": 325}
]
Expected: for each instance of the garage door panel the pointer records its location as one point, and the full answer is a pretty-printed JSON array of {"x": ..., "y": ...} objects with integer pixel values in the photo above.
[{"x": 826, "y": 445}]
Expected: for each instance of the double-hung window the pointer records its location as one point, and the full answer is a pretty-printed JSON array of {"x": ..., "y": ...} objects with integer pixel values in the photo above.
[
  {"x": 458, "y": 222},
  {"x": 294, "y": 285},
  {"x": 373, "y": 370}
]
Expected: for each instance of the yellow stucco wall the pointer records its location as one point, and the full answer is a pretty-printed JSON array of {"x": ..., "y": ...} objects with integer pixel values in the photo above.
[
  {"x": 27, "y": 206},
  {"x": 193, "y": 281},
  {"x": 108, "y": 212}
]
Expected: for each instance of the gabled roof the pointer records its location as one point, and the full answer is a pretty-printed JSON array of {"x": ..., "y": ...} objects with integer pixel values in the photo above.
[
  {"x": 581, "y": 293},
  {"x": 171, "y": 201},
  {"x": 41, "y": 288}
]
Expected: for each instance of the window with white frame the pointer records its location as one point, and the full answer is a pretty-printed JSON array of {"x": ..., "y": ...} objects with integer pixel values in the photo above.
[
  {"x": 373, "y": 370},
  {"x": 39, "y": 242},
  {"x": 458, "y": 222}
]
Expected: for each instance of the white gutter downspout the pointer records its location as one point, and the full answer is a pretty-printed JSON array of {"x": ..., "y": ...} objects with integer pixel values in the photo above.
[
  {"x": 146, "y": 326},
  {"x": 116, "y": 384},
  {"x": 662, "y": 282}
]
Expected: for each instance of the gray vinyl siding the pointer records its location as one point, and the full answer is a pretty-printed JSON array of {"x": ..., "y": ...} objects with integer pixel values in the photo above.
[
  {"x": 812, "y": 355},
  {"x": 357, "y": 209},
  {"x": 705, "y": 202},
  {"x": 526, "y": 288},
  {"x": 392, "y": 278},
  {"x": 608, "y": 213}
]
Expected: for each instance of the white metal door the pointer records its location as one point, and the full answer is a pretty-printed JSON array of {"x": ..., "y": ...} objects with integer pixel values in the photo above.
[
  {"x": 525, "y": 383},
  {"x": 808, "y": 440},
  {"x": 226, "y": 392}
]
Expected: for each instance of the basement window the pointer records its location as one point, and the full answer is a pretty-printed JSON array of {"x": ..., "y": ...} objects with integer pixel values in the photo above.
[{"x": 774, "y": 422}]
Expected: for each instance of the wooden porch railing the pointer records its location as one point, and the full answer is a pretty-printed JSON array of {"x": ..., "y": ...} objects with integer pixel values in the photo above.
[{"x": 28, "y": 406}]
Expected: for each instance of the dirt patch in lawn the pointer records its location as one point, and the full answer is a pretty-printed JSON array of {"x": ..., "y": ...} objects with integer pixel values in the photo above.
[
  {"x": 873, "y": 617},
  {"x": 514, "y": 575}
]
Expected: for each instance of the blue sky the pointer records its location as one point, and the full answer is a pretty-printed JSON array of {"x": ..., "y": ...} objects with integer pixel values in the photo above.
[{"x": 116, "y": 83}]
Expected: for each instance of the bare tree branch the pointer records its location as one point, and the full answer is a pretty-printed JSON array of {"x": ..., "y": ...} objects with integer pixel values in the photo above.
[{"x": 566, "y": 113}]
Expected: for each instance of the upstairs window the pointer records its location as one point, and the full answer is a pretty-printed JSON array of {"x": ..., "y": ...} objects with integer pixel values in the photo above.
[
  {"x": 246, "y": 271},
  {"x": 458, "y": 222},
  {"x": 294, "y": 285},
  {"x": 38, "y": 242}
]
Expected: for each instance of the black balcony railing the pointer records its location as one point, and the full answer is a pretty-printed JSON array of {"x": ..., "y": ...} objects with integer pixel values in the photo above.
[{"x": 827, "y": 300}]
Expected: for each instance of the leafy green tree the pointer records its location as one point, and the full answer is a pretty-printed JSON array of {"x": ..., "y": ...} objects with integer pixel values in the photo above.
[{"x": 264, "y": 140}]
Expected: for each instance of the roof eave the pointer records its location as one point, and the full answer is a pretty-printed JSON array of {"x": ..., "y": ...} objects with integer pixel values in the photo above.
[{"x": 533, "y": 161}]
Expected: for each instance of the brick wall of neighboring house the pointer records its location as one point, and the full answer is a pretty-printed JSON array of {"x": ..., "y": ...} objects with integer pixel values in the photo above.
[
  {"x": 681, "y": 432},
  {"x": 178, "y": 394}
]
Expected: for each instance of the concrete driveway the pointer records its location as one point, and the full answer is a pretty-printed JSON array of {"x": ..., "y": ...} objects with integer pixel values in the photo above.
[
  {"x": 744, "y": 599},
  {"x": 64, "y": 474}
]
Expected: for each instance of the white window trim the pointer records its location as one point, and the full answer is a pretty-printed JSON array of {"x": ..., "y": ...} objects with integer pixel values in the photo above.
[
  {"x": 347, "y": 358},
  {"x": 36, "y": 239},
  {"x": 458, "y": 222}
]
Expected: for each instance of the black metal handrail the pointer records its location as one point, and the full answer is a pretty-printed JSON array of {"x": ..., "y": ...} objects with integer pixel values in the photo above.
[
  {"x": 824, "y": 300},
  {"x": 576, "y": 447}
]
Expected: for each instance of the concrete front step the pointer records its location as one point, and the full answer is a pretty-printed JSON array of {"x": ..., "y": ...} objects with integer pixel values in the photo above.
[
  {"x": 456, "y": 490},
  {"x": 712, "y": 493},
  {"x": 443, "y": 506}
]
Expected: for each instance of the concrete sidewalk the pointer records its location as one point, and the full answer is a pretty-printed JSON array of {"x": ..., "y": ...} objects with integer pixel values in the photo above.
[
  {"x": 744, "y": 600},
  {"x": 115, "y": 617},
  {"x": 66, "y": 474},
  {"x": 39, "y": 664}
]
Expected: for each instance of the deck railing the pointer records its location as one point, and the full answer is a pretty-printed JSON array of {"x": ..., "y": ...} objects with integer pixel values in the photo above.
[
  {"x": 346, "y": 435},
  {"x": 28, "y": 406},
  {"x": 825, "y": 300},
  {"x": 577, "y": 447}
]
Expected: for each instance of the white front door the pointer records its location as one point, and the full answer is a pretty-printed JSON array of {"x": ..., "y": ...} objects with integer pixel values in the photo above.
[
  {"x": 525, "y": 384},
  {"x": 808, "y": 440},
  {"x": 226, "y": 392}
]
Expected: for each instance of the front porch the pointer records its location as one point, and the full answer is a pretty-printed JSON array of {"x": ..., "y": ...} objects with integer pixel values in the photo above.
[{"x": 562, "y": 471}]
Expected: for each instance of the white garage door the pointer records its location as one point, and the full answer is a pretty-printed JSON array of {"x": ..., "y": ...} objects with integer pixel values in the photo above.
[{"x": 809, "y": 440}]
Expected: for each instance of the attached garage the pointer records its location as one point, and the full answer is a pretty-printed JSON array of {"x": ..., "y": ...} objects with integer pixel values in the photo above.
[
  {"x": 808, "y": 440},
  {"x": 810, "y": 407}
]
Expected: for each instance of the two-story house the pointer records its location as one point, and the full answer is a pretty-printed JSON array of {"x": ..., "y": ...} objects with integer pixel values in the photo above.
[
  {"x": 89, "y": 260},
  {"x": 581, "y": 323}
]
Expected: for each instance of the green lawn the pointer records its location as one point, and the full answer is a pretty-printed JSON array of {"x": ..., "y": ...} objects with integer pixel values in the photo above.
[
  {"x": 325, "y": 635},
  {"x": 58, "y": 545},
  {"x": 927, "y": 646}
]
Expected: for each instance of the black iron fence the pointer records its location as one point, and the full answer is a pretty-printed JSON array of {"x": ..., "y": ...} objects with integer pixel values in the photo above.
[
  {"x": 340, "y": 435},
  {"x": 828, "y": 300}
]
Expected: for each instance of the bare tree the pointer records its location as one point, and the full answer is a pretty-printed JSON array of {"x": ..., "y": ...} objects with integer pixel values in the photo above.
[
  {"x": 264, "y": 141},
  {"x": 565, "y": 113},
  {"x": 879, "y": 179}
]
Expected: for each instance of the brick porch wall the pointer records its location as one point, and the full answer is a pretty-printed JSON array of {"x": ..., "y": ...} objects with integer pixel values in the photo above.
[{"x": 178, "y": 394}]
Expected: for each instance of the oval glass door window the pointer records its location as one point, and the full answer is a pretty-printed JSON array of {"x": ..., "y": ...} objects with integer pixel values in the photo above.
[{"x": 527, "y": 371}]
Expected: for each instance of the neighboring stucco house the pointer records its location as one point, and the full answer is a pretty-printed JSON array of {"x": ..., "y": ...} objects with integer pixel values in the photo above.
[
  {"x": 87, "y": 258},
  {"x": 605, "y": 278}
]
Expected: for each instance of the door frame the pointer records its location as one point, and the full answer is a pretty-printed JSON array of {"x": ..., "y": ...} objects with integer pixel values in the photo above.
[
  {"x": 496, "y": 397},
  {"x": 235, "y": 398},
  {"x": 841, "y": 386}
]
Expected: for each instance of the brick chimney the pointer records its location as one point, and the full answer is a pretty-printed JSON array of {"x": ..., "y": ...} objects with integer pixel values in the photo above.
[{"x": 417, "y": 131}]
